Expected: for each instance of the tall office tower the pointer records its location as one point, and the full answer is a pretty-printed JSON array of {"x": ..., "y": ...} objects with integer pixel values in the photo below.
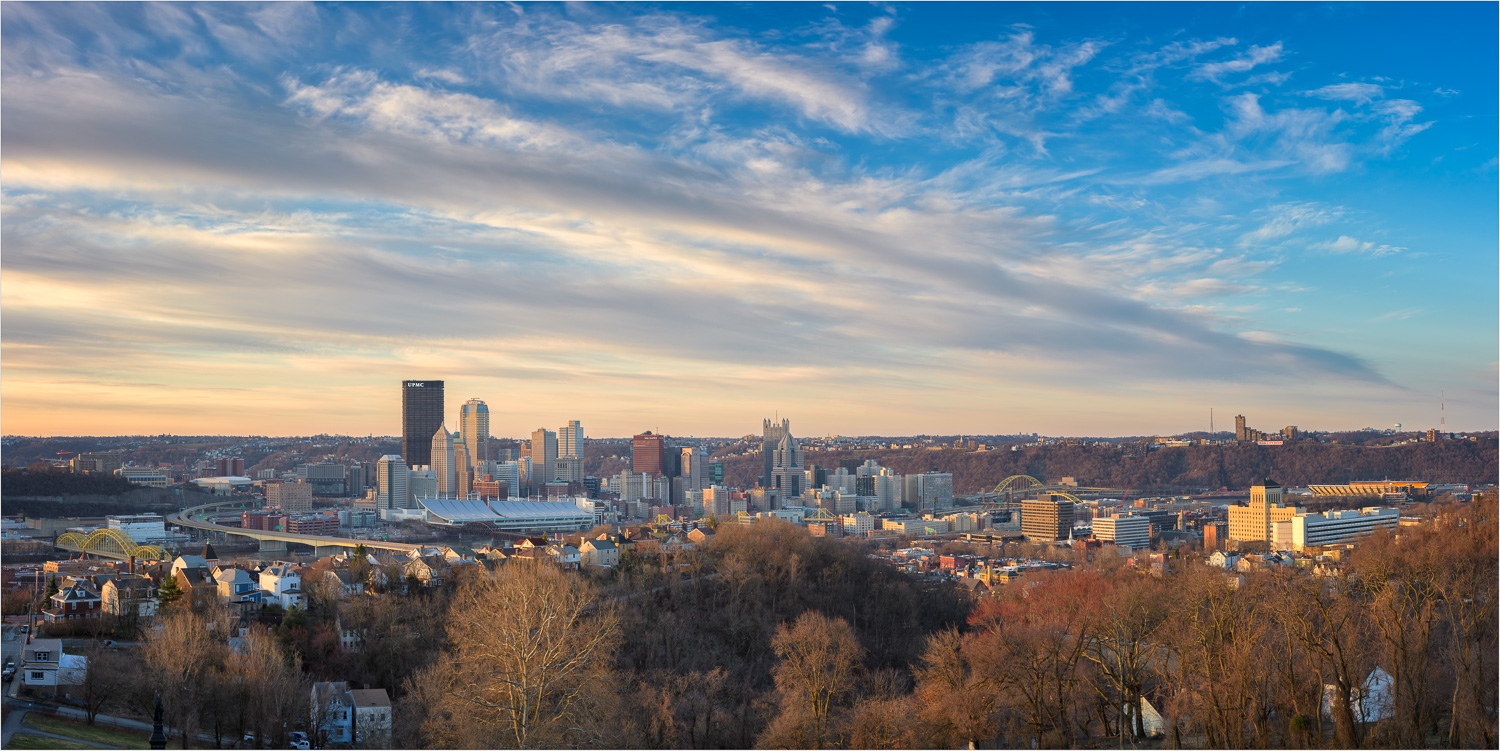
[
  {"x": 421, "y": 416},
  {"x": 888, "y": 487},
  {"x": 770, "y": 439},
  {"x": 787, "y": 476},
  {"x": 569, "y": 468},
  {"x": 391, "y": 482},
  {"x": 1046, "y": 519},
  {"x": 356, "y": 483},
  {"x": 442, "y": 462},
  {"x": 543, "y": 458},
  {"x": 474, "y": 425},
  {"x": 463, "y": 469},
  {"x": 690, "y": 468},
  {"x": 510, "y": 474},
  {"x": 1240, "y": 433},
  {"x": 930, "y": 491},
  {"x": 570, "y": 440},
  {"x": 648, "y": 454}
]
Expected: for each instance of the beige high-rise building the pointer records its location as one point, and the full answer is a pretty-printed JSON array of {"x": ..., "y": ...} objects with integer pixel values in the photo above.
[
  {"x": 474, "y": 425},
  {"x": 570, "y": 440},
  {"x": 290, "y": 496},
  {"x": 442, "y": 462},
  {"x": 1254, "y": 522},
  {"x": 1046, "y": 519},
  {"x": 543, "y": 458},
  {"x": 463, "y": 470},
  {"x": 568, "y": 468}
]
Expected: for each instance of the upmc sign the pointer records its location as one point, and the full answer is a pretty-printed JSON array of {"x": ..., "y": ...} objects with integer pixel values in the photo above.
[{"x": 415, "y": 384}]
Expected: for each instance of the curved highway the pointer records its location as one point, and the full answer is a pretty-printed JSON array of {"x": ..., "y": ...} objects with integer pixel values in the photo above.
[{"x": 187, "y": 518}]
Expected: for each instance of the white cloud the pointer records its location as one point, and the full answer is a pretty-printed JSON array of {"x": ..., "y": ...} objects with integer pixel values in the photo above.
[
  {"x": 1359, "y": 93},
  {"x": 1256, "y": 55},
  {"x": 1290, "y": 218},
  {"x": 1347, "y": 244}
]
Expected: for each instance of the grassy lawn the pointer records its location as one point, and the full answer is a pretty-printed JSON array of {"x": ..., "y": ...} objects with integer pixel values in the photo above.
[
  {"x": 24, "y": 740},
  {"x": 93, "y": 733}
]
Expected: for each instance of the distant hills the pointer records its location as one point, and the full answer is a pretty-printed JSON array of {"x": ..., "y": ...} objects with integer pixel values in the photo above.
[{"x": 1133, "y": 466}]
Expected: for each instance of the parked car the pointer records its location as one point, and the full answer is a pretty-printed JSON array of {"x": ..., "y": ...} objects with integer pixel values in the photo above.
[
  {"x": 299, "y": 740},
  {"x": 25, "y": 629},
  {"x": 10, "y": 672}
]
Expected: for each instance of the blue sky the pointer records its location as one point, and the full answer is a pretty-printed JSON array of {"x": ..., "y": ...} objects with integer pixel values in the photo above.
[{"x": 983, "y": 218}]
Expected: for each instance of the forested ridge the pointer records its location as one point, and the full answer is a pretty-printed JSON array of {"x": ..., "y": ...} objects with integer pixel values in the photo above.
[{"x": 1171, "y": 468}]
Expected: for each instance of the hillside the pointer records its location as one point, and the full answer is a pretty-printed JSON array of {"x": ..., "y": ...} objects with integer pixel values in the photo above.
[{"x": 1131, "y": 466}]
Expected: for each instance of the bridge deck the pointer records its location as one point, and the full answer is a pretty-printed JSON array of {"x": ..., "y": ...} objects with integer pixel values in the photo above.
[{"x": 184, "y": 518}]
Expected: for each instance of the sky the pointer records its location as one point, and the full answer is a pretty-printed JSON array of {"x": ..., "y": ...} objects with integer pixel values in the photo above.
[{"x": 1069, "y": 219}]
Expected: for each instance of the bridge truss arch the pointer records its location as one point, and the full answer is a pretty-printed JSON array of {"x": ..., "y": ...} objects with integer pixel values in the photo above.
[
  {"x": 112, "y": 543},
  {"x": 1016, "y": 484}
]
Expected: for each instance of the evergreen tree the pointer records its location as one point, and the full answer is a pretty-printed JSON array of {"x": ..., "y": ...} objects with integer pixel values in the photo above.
[{"x": 169, "y": 592}]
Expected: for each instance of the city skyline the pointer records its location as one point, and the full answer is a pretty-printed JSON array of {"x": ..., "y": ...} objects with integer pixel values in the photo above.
[{"x": 879, "y": 220}]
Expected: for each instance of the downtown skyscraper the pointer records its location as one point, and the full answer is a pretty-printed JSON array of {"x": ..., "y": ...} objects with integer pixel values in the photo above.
[
  {"x": 474, "y": 424},
  {"x": 421, "y": 416}
]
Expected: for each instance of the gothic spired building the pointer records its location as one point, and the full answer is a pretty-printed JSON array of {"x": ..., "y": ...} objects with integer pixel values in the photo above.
[
  {"x": 421, "y": 416},
  {"x": 770, "y": 440}
]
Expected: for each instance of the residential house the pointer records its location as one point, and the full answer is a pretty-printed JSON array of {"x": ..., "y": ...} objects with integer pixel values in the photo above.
[
  {"x": 46, "y": 668},
  {"x": 1221, "y": 559},
  {"x": 343, "y": 582},
  {"x": 360, "y": 718},
  {"x": 283, "y": 584},
  {"x": 430, "y": 571},
  {"x": 73, "y": 601},
  {"x": 238, "y": 590},
  {"x": 678, "y": 543},
  {"x": 564, "y": 556},
  {"x": 187, "y": 562},
  {"x": 129, "y": 595},
  {"x": 700, "y": 535},
  {"x": 603, "y": 553}
]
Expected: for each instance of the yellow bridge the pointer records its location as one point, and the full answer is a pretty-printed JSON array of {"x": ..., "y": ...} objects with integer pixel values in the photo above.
[
  {"x": 110, "y": 543},
  {"x": 1024, "y": 486}
]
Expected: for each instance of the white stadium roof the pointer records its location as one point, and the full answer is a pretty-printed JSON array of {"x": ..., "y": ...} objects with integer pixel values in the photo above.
[{"x": 507, "y": 514}]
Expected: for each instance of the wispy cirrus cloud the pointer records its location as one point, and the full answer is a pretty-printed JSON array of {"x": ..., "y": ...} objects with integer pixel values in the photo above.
[
  {"x": 1254, "y": 56},
  {"x": 913, "y": 217}
]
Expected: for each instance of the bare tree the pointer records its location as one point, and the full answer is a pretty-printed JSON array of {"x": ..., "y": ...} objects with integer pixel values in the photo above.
[
  {"x": 104, "y": 676},
  {"x": 179, "y": 655},
  {"x": 820, "y": 660},
  {"x": 529, "y": 663}
]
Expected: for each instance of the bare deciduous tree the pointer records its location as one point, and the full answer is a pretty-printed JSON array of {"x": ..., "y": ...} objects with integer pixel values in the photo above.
[{"x": 529, "y": 663}]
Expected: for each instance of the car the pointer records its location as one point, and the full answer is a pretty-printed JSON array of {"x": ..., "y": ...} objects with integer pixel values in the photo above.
[
  {"x": 299, "y": 740},
  {"x": 25, "y": 629}
]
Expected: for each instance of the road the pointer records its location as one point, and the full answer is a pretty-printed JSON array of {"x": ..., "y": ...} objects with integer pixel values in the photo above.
[{"x": 186, "y": 518}]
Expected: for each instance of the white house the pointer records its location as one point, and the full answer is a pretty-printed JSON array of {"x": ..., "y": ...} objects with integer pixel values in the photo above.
[
  {"x": 46, "y": 668},
  {"x": 283, "y": 582},
  {"x": 1372, "y": 700}
]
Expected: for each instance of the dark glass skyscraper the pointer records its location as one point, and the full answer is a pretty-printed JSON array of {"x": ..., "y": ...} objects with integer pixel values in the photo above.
[{"x": 421, "y": 416}]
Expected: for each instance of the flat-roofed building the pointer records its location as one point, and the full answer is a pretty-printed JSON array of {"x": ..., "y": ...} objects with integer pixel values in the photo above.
[
  {"x": 1214, "y": 533},
  {"x": 151, "y": 477},
  {"x": 1129, "y": 531},
  {"x": 290, "y": 496},
  {"x": 1044, "y": 519},
  {"x": 1312, "y": 530},
  {"x": 1252, "y": 521}
]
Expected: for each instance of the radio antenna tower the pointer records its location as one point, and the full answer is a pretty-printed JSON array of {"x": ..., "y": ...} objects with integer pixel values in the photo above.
[{"x": 1443, "y": 411}]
